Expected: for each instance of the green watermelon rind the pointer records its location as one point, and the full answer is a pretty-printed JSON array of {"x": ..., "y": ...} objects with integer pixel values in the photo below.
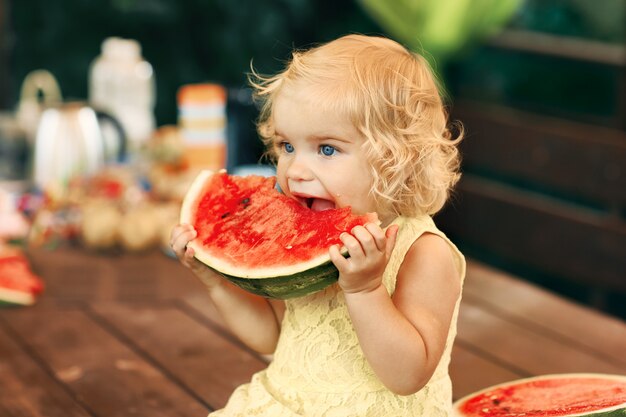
[
  {"x": 256, "y": 273},
  {"x": 289, "y": 286},
  {"x": 616, "y": 411}
]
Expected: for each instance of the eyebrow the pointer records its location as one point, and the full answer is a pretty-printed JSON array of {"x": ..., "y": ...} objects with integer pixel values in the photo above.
[
  {"x": 328, "y": 137},
  {"x": 317, "y": 137}
]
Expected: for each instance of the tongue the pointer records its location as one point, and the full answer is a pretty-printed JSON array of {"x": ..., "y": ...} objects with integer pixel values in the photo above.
[{"x": 320, "y": 204}]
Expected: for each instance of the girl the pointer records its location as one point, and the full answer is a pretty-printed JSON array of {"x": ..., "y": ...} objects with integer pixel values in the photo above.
[{"x": 356, "y": 122}]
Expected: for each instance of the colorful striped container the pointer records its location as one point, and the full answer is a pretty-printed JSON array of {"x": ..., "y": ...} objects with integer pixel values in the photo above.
[{"x": 202, "y": 123}]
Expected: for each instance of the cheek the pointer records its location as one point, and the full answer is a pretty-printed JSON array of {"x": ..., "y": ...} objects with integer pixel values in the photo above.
[
  {"x": 281, "y": 176},
  {"x": 362, "y": 199}
]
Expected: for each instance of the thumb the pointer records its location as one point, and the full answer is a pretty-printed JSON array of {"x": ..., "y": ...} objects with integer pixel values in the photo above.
[{"x": 391, "y": 233}]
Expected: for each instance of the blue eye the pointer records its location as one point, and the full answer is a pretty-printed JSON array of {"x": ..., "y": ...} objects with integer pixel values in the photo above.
[
  {"x": 327, "y": 150},
  {"x": 288, "y": 147}
]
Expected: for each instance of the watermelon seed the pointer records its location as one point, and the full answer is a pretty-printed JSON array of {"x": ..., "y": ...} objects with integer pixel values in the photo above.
[
  {"x": 245, "y": 201},
  {"x": 225, "y": 215}
]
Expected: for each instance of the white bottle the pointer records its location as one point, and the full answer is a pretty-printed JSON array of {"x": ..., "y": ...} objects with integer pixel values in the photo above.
[{"x": 122, "y": 83}]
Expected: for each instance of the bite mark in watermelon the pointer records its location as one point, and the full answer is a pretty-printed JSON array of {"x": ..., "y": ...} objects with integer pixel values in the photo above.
[
  {"x": 18, "y": 285},
  {"x": 560, "y": 395},
  {"x": 260, "y": 239}
]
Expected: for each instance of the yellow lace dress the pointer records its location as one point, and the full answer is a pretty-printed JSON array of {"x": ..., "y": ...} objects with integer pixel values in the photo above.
[{"x": 319, "y": 369}]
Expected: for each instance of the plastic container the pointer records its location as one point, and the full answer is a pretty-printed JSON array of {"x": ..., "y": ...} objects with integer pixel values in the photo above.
[
  {"x": 202, "y": 123},
  {"x": 122, "y": 83}
]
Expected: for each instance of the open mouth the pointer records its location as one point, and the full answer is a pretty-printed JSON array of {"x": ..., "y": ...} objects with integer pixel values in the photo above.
[{"x": 315, "y": 203}]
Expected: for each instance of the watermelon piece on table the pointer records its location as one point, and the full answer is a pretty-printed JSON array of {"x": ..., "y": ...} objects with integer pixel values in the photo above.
[
  {"x": 18, "y": 284},
  {"x": 559, "y": 395},
  {"x": 260, "y": 239}
]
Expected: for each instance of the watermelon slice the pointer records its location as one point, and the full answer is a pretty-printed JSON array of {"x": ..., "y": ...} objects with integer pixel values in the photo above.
[
  {"x": 591, "y": 395},
  {"x": 18, "y": 285},
  {"x": 260, "y": 239}
]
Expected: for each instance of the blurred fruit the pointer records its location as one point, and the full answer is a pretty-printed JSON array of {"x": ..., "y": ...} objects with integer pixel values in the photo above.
[
  {"x": 100, "y": 224},
  {"x": 139, "y": 228}
]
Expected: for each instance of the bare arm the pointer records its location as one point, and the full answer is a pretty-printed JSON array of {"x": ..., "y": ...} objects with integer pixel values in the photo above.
[
  {"x": 403, "y": 337},
  {"x": 253, "y": 319}
]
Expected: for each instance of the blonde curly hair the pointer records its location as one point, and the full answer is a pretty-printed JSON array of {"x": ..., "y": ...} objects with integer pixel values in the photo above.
[{"x": 392, "y": 98}]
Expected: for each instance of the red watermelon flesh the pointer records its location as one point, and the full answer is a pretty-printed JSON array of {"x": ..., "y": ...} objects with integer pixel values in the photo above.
[
  {"x": 550, "y": 395},
  {"x": 18, "y": 285},
  {"x": 248, "y": 229}
]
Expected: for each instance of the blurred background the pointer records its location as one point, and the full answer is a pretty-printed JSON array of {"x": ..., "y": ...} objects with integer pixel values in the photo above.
[{"x": 540, "y": 86}]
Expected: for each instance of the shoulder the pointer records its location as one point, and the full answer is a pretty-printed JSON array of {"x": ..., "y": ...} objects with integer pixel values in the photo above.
[
  {"x": 429, "y": 244},
  {"x": 431, "y": 253},
  {"x": 421, "y": 240},
  {"x": 428, "y": 274}
]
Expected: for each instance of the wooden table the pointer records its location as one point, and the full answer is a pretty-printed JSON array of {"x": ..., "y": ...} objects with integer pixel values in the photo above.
[{"x": 135, "y": 335}]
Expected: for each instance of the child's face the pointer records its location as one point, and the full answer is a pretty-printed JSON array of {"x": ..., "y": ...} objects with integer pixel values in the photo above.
[{"x": 321, "y": 162}]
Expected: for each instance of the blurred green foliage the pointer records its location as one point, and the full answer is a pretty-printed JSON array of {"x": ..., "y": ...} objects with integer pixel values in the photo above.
[{"x": 441, "y": 28}]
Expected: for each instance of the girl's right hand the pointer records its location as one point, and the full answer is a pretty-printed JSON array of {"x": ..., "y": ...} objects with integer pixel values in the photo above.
[{"x": 181, "y": 235}]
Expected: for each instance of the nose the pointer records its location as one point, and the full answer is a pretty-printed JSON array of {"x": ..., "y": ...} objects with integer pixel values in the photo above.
[{"x": 299, "y": 169}]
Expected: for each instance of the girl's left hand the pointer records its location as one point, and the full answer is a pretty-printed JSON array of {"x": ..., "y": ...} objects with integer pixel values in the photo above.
[{"x": 369, "y": 248}]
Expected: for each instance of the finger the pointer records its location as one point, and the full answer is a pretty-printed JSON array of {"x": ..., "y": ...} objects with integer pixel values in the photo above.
[
  {"x": 365, "y": 239},
  {"x": 180, "y": 242},
  {"x": 178, "y": 246},
  {"x": 337, "y": 258},
  {"x": 391, "y": 234},
  {"x": 177, "y": 231},
  {"x": 352, "y": 244},
  {"x": 378, "y": 234},
  {"x": 190, "y": 260},
  {"x": 189, "y": 253}
]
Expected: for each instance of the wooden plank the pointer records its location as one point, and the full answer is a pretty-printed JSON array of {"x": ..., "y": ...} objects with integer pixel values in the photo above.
[
  {"x": 621, "y": 100},
  {"x": 471, "y": 371},
  {"x": 108, "y": 376},
  {"x": 523, "y": 349},
  {"x": 201, "y": 304},
  {"x": 567, "y": 242},
  {"x": 77, "y": 276},
  {"x": 581, "y": 161},
  {"x": 568, "y": 47},
  {"x": 136, "y": 273},
  {"x": 72, "y": 277},
  {"x": 203, "y": 358},
  {"x": 546, "y": 312},
  {"x": 27, "y": 388}
]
